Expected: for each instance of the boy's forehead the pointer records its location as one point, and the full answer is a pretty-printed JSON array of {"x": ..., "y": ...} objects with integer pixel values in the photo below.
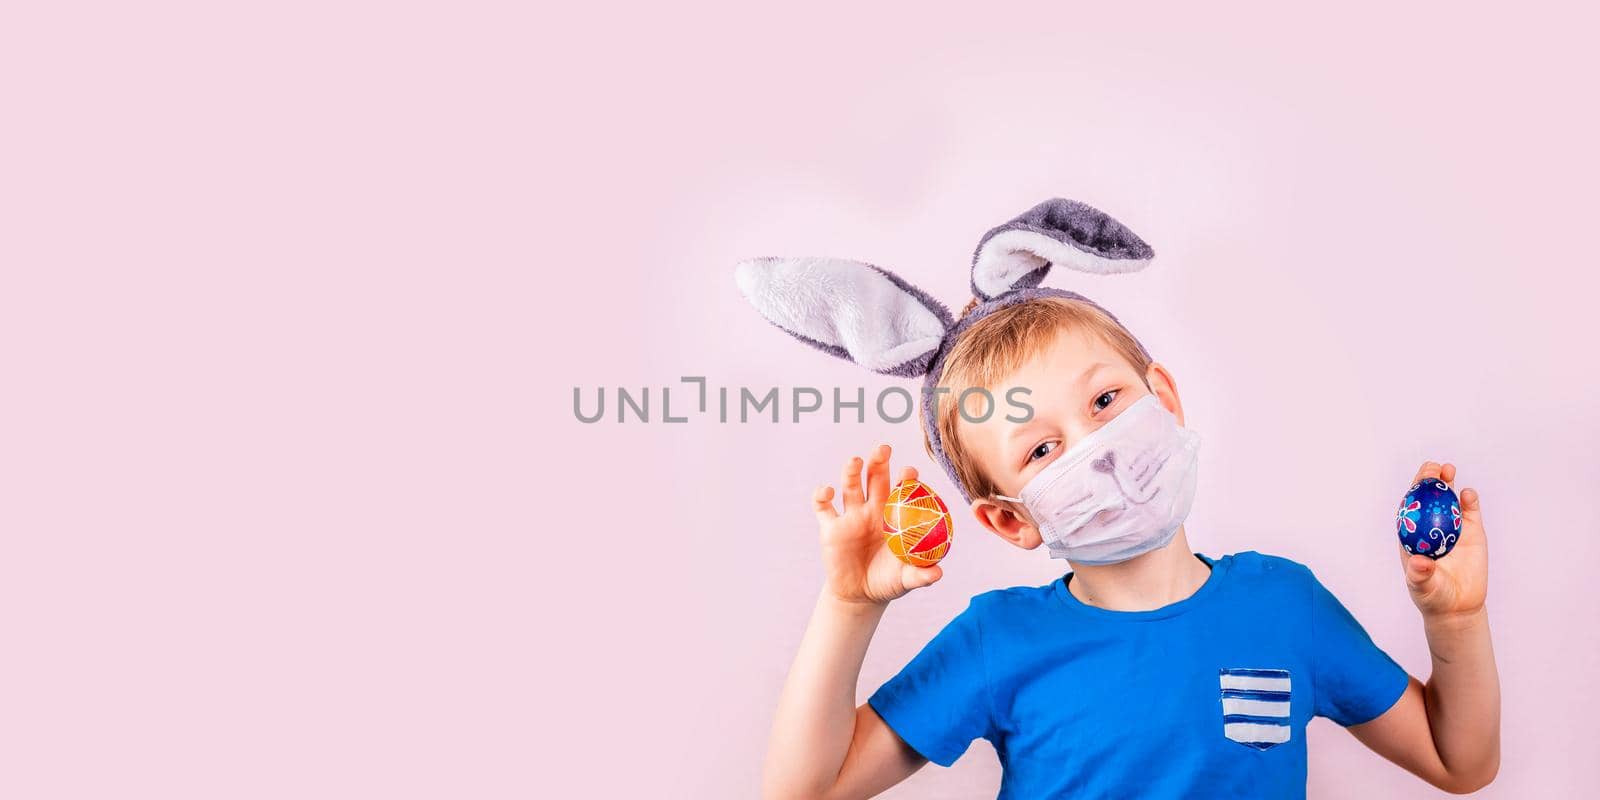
[
  {"x": 1064, "y": 357},
  {"x": 1053, "y": 364}
]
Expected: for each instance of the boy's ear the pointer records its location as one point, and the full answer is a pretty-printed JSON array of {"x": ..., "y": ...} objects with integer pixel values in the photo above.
[
  {"x": 1006, "y": 522},
  {"x": 1165, "y": 389}
]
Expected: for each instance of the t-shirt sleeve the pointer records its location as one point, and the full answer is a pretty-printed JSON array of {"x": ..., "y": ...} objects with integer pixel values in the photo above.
[
  {"x": 1355, "y": 680},
  {"x": 939, "y": 701}
]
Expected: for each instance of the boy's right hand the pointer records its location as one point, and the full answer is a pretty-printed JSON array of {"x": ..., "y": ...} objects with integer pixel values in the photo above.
[{"x": 860, "y": 567}]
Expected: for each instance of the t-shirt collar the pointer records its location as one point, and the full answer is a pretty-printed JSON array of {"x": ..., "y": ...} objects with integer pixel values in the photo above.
[{"x": 1219, "y": 572}]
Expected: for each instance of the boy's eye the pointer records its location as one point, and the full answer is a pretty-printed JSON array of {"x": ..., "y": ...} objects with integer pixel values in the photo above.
[
  {"x": 1105, "y": 399},
  {"x": 1042, "y": 450}
]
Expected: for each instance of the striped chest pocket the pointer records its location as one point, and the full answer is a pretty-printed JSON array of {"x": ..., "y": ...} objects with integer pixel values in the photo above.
[{"x": 1255, "y": 706}]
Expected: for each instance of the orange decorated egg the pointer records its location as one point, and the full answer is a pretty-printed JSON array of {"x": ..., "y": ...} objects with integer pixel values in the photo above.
[{"x": 917, "y": 524}]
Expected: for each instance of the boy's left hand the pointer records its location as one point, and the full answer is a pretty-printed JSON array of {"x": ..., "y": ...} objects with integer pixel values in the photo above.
[{"x": 1454, "y": 585}]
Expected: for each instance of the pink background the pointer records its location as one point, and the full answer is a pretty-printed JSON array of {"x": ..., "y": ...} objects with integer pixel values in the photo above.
[{"x": 294, "y": 299}]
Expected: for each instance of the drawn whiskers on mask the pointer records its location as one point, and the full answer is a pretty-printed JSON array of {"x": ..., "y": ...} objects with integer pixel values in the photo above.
[{"x": 1141, "y": 474}]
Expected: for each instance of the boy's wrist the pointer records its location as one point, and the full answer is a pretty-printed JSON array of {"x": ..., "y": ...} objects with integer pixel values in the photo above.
[
  {"x": 852, "y": 608},
  {"x": 1455, "y": 621}
]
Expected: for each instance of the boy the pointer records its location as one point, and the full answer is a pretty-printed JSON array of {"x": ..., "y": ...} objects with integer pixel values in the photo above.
[{"x": 1148, "y": 670}]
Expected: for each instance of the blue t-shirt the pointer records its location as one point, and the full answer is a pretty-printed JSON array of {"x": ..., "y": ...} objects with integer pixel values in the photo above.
[{"x": 1206, "y": 697}]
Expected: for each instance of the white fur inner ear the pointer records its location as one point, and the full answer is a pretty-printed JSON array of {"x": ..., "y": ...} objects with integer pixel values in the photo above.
[
  {"x": 844, "y": 304},
  {"x": 1008, "y": 256}
]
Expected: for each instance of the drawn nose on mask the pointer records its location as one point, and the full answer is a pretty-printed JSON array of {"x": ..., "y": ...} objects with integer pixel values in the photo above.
[{"x": 1134, "y": 478}]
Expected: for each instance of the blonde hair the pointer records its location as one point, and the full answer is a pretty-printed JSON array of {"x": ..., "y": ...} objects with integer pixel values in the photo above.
[{"x": 997, "y": 346}]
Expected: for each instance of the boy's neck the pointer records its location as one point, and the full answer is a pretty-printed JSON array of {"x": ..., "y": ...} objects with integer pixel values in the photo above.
[{"x": 1143, "y": 583}]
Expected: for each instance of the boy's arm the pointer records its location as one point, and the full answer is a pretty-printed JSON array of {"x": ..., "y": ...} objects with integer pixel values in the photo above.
[
  {"x": 822, "y": 745},
  {"x": 1448, "y": 731}
]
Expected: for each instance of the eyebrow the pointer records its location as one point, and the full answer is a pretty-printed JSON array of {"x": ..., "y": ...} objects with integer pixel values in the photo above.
[{"x": 1090, "y": 370}]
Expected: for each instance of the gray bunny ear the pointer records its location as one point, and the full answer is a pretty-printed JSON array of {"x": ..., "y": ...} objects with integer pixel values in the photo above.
[
  {"x": 852, "y": 310},
  {"x": 1017, "y": 255}
]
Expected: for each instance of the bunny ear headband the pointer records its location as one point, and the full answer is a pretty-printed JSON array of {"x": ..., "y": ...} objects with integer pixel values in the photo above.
[{"x": 874, "y": 318}]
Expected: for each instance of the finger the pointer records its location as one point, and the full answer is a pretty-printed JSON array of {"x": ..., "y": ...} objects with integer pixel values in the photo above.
[
  {"x": 1447, "y": 473},
  {"x": 1429, "y": 469},
  {"x": 1471, "y": 507},
  {"x": 1405, "y": 556},
  {"x": 1419, "y": 572},
  {"x": 918, "y": 577},
  {"x": 908, "y": 474},
  {"x": 851, "y": 488},
  {"x": 822, "y": 503},
  {"x": 878, "y": 476}
]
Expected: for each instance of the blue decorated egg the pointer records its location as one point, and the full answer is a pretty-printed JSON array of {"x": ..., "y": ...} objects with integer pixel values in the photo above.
[{"x": 1429, "y": 518}]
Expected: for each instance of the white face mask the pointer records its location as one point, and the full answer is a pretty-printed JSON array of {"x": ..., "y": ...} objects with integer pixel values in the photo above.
[{"x": 1119, "y": 492}]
